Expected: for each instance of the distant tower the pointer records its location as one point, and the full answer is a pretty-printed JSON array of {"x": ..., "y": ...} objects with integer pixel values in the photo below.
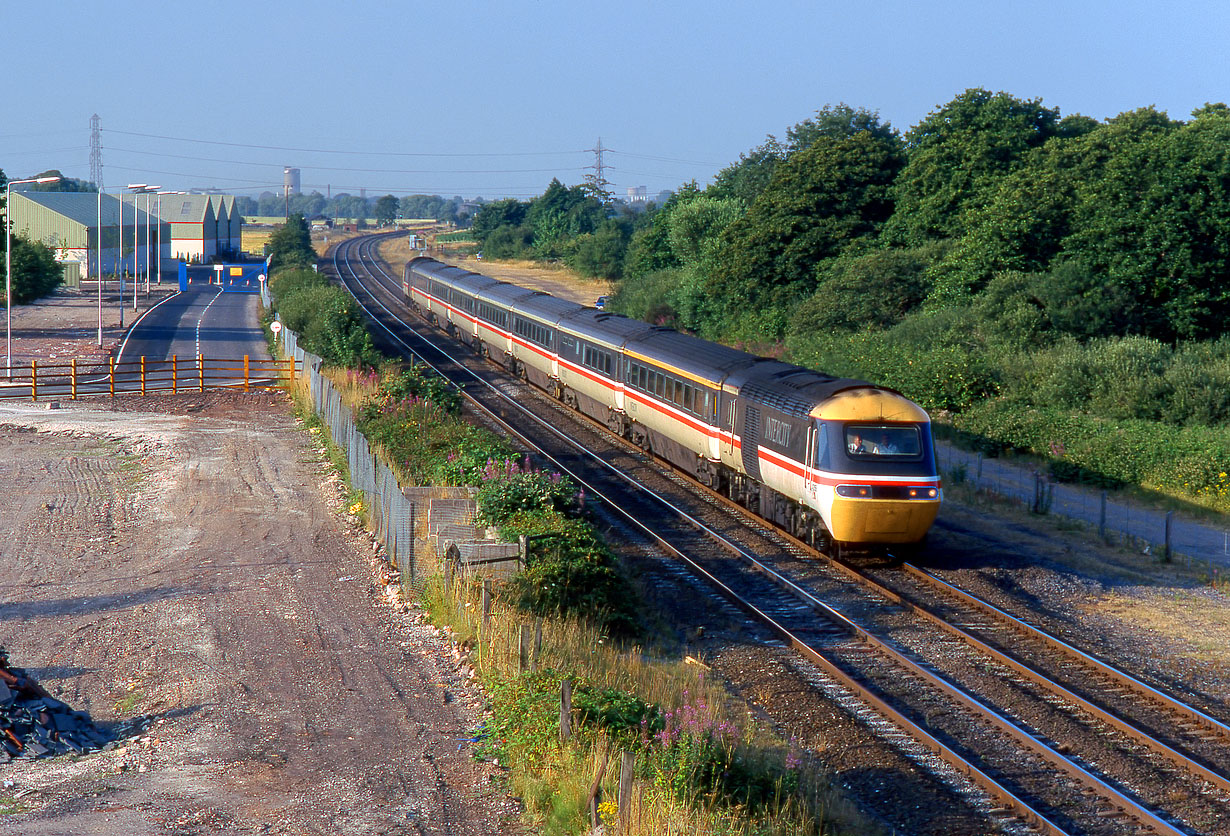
[
  {"x": 599, "y": 186},
  {"x": 95, "y": 153},
  {"x": 290, "y": 180}
]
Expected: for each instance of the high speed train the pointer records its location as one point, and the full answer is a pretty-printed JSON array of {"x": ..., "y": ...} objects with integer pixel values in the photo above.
[{"x": 834, "y": 461}]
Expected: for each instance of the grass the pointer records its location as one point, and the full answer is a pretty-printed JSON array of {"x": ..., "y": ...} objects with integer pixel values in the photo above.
[
  {"x": 10, "y": 806},
  {"x": 554, "y": 779}
]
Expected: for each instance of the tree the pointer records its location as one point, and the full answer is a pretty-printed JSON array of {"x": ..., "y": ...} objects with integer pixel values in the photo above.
[
  {"x": 746, "y": 179},
  {"x": 874, "y": 290},
  {"x": 386, "y": 210},
  {"x": 600, "y": 253},
  {"x": 820, "y": 201},
  {"x": 35, "y": 270},
  {"x": 956, "y": 155},
  {"x": 291, "y": 244},
  {"x": 835, "y": 121},
  {"x": 499, "y": 213}
]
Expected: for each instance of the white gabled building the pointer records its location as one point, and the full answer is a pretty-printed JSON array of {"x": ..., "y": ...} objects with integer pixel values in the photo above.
[
  {"x": 194, "y": 226},
  {"x": 68, "y": 223}
]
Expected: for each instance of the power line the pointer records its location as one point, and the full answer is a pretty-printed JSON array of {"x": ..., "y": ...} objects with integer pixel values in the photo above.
[
  {"x": 356, "y": 170},
  {"x": 351, "y": 153}
]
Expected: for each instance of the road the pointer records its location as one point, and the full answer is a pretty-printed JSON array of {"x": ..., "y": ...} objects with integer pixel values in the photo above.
[{"x": 201, "y": 320}]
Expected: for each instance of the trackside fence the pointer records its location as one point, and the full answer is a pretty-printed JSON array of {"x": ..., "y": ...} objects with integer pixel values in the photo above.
[
  {"x": 417, "y": 526},
  {"x": 1161, "y": 533}
]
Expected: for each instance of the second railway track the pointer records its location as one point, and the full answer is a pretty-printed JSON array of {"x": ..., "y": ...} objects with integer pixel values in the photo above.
[{"x": 1062, "y": 740}]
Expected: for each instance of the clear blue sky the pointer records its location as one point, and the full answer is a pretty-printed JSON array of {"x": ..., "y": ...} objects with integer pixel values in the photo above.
[{"x": 473, "y": 97}]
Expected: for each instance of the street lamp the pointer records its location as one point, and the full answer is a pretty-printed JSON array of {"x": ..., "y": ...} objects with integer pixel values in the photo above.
[
  {"x": 160, "y": 194},
  {"x": 138, "y": 189},
  {"x": 149, "y": 190},
  {"x": 8, "y": 266}
]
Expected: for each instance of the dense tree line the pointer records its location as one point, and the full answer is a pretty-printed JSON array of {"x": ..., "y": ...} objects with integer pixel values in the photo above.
[
  {"x": 996, "y": 258},
  {"x": 577, "y": 225},
  {"x": 382, "y": 209}
]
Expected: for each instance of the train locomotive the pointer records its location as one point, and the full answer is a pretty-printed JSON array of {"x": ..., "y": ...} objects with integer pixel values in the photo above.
[{"x": 837, "y": 462}]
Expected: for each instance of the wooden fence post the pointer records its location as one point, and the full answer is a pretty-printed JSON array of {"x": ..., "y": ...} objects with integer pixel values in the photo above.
[
  {"x": 523, "y": 659},
  {"x": 595, "y": 791},
  {"x": 34, "y": 380},
  {"x": 245, "y": 373},
  {"x": 627, "y": 766},
  {"x": 486, "y": 606},
  {"x": 565, "y": 710},
  {"x": 537, "y": 644}
]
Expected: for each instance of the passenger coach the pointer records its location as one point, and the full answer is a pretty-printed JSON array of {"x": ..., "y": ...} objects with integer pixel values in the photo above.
[{"x": 828, "y": 458}]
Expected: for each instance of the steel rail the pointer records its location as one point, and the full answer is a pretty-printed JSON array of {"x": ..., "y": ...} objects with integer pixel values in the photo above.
[{"x": 1131, "y": 808}]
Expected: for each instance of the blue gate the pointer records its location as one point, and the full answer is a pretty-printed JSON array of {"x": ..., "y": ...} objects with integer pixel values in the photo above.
[{"x": 237, "y": 278}]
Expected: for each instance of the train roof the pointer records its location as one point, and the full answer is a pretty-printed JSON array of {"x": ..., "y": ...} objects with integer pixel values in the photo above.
[
  {"x": 504, "y": 294},
  {"x": 440, "y": 270},
  {"x": 610, "y": 329},
  {"x": 788, "y": 388},
  {"x": 545, "y": 307},
  {"x": 691, "y": 356}
]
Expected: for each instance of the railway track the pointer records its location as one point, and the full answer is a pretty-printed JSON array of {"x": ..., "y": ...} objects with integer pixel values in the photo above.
[{"x": 1061, "y": 740}]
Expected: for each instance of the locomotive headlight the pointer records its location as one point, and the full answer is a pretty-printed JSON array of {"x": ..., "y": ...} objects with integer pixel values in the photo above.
[{"x": 854, "y": 490}]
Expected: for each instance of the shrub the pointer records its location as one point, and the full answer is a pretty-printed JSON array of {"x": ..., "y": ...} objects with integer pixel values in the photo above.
[
  {"x": 571, "y": 572},
  {"x": 326, "y": 318},
  {"x": 509, "y": 488}
]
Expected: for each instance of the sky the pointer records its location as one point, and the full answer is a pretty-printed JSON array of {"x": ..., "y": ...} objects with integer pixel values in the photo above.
[{"x": 493, "y": 99}]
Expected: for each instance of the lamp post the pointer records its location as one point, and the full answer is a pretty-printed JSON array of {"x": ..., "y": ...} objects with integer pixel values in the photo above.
[
  {"x": 160, "y": 194},
  {"x": 99, "y": 242},
  {"x": 149, "y": 191},
  {"x": 136, "y": 189},
  {"x": 8, "y": 266}
]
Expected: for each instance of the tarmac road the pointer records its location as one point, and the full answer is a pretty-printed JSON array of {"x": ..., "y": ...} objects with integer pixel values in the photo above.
[{"x": 202, "y": 320}]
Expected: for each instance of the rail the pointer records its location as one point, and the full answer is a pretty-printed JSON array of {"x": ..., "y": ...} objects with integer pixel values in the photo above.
[{"x": 145, "y": 375}]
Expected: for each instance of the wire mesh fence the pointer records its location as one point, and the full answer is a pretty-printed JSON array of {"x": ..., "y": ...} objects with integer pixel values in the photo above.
[
  {"x": 1162, "y": 533},
  {"x": 399, "y": 517}
]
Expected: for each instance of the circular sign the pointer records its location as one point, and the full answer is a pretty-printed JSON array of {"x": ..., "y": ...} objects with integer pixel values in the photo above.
[
  {"x": 275, "y": 327},
  {"x": 261, "y": 277}
]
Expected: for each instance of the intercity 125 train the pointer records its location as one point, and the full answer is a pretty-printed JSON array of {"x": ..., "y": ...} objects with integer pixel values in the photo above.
[{"x": 834, "y": 461}]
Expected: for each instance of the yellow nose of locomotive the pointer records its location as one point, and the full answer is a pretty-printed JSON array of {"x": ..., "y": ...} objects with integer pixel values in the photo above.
[{"x": 858, "y": 520}]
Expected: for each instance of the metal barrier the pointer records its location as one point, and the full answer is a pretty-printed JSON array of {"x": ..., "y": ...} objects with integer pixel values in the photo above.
[
  {"x": 1156, "y": 532},
  {"x": 143, "y": 375},
  {"x": 399, "y": 516}
]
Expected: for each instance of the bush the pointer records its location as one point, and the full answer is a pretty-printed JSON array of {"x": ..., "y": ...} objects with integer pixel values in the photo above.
[
  {"x": 509, "y": 489},
  {"x": 1189, "y": 462},
  {"x": 571, "y": 572},
  {"x": 325, "y": 317}
]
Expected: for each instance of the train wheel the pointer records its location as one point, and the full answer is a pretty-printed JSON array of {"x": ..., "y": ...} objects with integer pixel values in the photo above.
[{"x": 615, "y": 422}]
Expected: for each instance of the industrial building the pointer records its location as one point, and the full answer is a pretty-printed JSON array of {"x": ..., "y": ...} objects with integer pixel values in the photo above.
[
  {"x": 192, "y": 228},
  {"x": 68, "y": 222}
]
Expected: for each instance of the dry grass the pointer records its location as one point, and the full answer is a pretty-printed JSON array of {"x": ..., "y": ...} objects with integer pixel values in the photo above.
[
  {"x": 560, "y": 785},
  {"x": 1195, "y": 621}
]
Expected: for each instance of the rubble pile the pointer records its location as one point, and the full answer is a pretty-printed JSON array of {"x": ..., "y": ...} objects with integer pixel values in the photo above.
[{"x": 34, "y": 724}]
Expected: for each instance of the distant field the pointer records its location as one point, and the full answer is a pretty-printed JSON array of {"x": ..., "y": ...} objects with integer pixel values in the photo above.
[{"x": 253, "y": 239}]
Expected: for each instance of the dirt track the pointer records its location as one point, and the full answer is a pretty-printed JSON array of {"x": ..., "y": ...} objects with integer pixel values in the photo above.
[{"x": 188, "y": 564}]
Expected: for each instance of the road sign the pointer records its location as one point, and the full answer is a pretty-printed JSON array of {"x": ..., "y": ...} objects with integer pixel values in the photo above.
[{"x": 275, "y": 327}]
